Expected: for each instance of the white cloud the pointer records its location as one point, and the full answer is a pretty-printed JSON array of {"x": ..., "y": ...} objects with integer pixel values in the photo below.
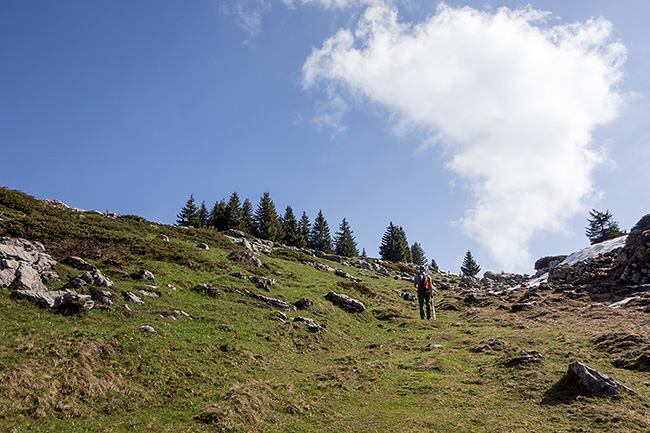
[
  {"x": 513, "y": 100},
  {"x": 328, "y": 4},
  {"x": 330, "y": 114},
  {"x": 248, "y": 13}
]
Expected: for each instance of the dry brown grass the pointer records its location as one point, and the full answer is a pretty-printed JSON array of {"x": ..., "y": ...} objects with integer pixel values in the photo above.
[{"x": 57, "y": 378}]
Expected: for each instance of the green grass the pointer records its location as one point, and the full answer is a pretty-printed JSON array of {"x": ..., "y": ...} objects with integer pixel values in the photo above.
[{"x": 235, "y": 367}]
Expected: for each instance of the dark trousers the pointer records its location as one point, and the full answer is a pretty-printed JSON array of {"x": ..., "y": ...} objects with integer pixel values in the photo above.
[{"x": 424, "y": 298}]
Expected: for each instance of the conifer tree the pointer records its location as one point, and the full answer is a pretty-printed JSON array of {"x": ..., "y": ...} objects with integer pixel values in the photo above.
[
  {"x": 363, "y": 253},
  {"x": 204, "y": 215},
  {"x": 469, "y": 267},
  {"x": 267, "y": 224},
  {"x": 434, "y": 265},
  {"x": 247, "y": 221},
  {"x": 394, "y": 246},
  {"x": 405, "y": 246},
  {"x": 305, "y": 229},
  {"x": 232, "y": 213},
  {"x": 319, "y": 237},
  {"x": 189, "y": 214},
  {"x": 217, "y": 217},
  {"x": 602, "y": 227},
  {"x": 344, "y": 241},
  {"x": 417, "y": 254},
  {"x": 291, "y": 234}
]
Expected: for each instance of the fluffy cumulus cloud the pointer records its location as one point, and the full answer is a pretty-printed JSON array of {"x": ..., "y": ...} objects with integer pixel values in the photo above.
[{"x": 512, "y": 98}]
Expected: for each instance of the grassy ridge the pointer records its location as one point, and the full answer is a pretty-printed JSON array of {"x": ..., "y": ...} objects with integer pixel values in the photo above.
[{"x": 235, "y": 366}]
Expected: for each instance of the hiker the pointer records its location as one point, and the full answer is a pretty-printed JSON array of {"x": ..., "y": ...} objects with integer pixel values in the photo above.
[{"x": 425, "y": 292}]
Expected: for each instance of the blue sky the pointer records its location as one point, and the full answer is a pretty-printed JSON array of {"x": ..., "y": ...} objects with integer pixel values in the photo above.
[{"x": 473, "y": 127}]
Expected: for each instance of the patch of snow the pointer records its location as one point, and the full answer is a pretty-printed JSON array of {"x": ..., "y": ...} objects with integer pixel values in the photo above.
[
  {"x": 622, "y": 302},
  {"x": 535, "y": 282},
  {"x": 595, "y": 250}
]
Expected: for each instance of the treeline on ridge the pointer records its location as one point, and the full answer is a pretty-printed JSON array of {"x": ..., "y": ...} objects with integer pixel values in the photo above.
[{"x": 265, "y": 223}]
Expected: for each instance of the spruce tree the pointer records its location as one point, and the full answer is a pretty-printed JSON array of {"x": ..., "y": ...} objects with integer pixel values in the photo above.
[
  {"x": 247, "y": 222},
  {"x": 434, "y": 265},
  {"x": 217, "y": 217},
  {"x": 602, "y": 227},
  {"x": 417, "y": 254},
  {"x": 267, "y": 223},
  {"x": 344, "y": 241},
  {"x": 469, "y": 267},
  {"x": 232, "y": 213},
  {"x": 394, "y": 246},
  {"x": 319, "y": 238},
  {"x": 404, "y": 245},
  {"x": 291, "y": 234},
  {"x": 305, "y": 230},
  {"x": 189, "y": 214},
  {"x": 204, "y": 215}
]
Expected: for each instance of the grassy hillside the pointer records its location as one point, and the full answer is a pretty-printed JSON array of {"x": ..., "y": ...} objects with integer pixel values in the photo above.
[{"x": 237, "y": 365}]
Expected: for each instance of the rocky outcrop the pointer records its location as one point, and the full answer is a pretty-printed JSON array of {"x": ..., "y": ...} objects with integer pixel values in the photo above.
[
  {"x": 502, "y": 280},
  {"x": 634, "y": 258},
  {"x": 23, "y": 266},
  {"x": 22, "y": 262}
]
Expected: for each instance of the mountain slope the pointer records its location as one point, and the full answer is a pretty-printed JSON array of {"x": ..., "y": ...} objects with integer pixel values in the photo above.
[{"x": 222, "y": 359}]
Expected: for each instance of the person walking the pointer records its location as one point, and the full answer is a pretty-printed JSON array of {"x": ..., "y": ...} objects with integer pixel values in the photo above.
[{"x": 425, "y": 292}]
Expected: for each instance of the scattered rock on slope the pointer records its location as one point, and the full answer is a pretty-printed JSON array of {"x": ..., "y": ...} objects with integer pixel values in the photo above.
[
  {"x": 347, "y": 303},
  {"x": 592, "y": 381},
  {"x": 79, "y": 263}
]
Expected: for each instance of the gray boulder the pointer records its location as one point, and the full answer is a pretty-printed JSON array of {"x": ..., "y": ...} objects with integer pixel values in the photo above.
[
  {"x": 405, "y": 295},
  {"x": 66, "y": 301},
  {"x": 311, "y": 324},
  {"x": 277, "y": 303},
  {"x": 27, "y": 277},
  {"x": 103, "y": 296},
  {"x": 347, "y": 303},
  {"x": 79, "y": 263},
  {"x": 263, "y": 283},
  {"x": 132, "y": 297},
  {"x": 593, "y": 381},
  {"x": 93, "y": 278},
  {"x": 143, "y": 275},
  {"x": 303, "y": 303}
]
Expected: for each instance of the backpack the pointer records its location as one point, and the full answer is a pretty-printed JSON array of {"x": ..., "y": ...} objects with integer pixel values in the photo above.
[{"x": 424, "y": 283}]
